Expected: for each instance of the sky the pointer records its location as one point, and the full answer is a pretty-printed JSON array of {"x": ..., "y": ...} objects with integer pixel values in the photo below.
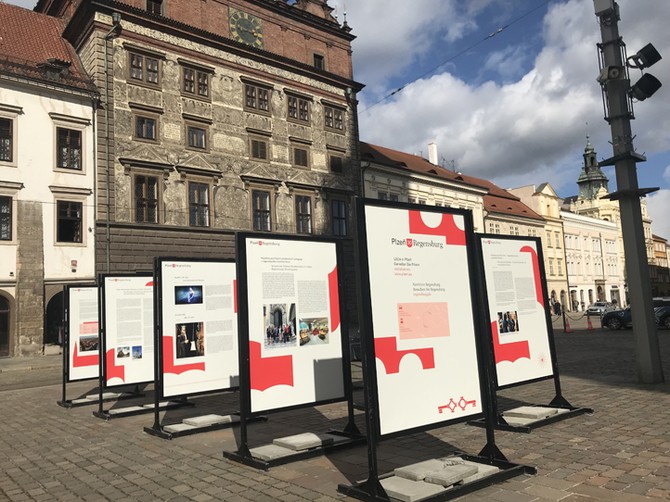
[{"x": 506, "y": 88}]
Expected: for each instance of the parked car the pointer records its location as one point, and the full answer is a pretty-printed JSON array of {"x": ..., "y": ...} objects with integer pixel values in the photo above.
[
  {"x": 662, "y": 315},
  {"x": 661, "y": 301},
  {"x": 617, "y": 319},
  {"x": 621, "y": 318},
  {"x": 599, "y": 308}
]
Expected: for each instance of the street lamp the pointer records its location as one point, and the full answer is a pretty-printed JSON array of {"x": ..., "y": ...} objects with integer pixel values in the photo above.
[
  {"x": 618, "y": 95},
  {"x": 645, "y": 87}
]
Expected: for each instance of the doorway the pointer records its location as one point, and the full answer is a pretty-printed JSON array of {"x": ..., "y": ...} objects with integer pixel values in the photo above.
[
  {"x": 53, "y": 335},
  {"x": 4, "y": 326}
]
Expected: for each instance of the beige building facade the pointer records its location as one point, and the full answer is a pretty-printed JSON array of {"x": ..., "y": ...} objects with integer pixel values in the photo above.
[{"x": 544, "y": 201}]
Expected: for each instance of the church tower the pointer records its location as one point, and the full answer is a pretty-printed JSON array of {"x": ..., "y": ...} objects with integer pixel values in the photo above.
[{"x": 591, "y": 180}]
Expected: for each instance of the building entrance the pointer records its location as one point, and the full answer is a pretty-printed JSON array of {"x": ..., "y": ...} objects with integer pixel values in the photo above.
[{"x": 4, "y": 326}]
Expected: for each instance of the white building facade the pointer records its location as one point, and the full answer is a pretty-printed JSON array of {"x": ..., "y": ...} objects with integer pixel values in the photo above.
[
  {"x": 593, "y": 258},
  {"x": 47, "y": 174}
]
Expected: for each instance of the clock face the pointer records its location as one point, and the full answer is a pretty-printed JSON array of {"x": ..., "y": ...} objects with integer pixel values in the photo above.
[{"x": 246, "y": 28}]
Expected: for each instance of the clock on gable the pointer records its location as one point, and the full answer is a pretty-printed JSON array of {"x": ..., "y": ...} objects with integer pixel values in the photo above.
[{"x": 246, "y": 28}]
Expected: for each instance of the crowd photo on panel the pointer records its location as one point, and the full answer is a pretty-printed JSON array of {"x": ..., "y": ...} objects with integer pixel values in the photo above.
[{"x": 508, "y": 322}]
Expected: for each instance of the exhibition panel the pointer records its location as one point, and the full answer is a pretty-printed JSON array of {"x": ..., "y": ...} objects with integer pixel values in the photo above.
[{"x": 197, "y": 329}]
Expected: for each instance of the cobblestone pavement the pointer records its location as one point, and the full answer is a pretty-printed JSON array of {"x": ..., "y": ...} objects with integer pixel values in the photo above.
[{"x": 620, "y": 453}]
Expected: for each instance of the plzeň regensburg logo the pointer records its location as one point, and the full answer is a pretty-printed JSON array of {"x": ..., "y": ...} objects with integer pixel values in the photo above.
[{"x": 411, "y": 242}]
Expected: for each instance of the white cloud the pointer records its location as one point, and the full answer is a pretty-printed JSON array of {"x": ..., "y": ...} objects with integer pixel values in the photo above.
[
  {"x": 531, "y": 127},
  {"x": 658, "y": 207},
  {"x": 392, "y": 34}
]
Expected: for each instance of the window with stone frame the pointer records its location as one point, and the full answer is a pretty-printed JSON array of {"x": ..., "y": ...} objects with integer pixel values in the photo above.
[
  {"x": 298, "y": 109},
  {"x": 147, "y": 195},
  {"x": 198, "y": 204},
  {"x": 335, "y": 163},
  {"x": 155, "y": 7},
  {"x": 69, "y": 216},
  {"x": 383, "y": 195},
  {"x": 338, "y": 209},
  {"x": 195, "y": 82},
  {"x": 144, "y": 68},
  {"x": 261, "y": 210},
  {"x": 300, "y": 154},
  {"x": 145, "y": 127},
  {"x": 333, "y": 118},
  {"x": 303, "y": 214},
  {"x": 196, "y": 137},
  {"x": 6, "y": 139},
  {"x": 259, "y": 148},
  {"x": 257, "y": 98},
  {"x": 68, "y": 149},
  {"x": 5, "y": 218}
]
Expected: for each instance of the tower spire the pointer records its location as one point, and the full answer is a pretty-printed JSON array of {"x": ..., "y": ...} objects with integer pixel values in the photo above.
[{"x": 591, "y": 179}]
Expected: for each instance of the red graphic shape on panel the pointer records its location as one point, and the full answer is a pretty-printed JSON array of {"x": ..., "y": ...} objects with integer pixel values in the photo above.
[
  {"x": 447, "y": 228},
  {"x": 114, "y": 371},
  {"x": 235, "y": 295},
  {"x": 536, "y": 273},
  {"x": 149, "y": 284},
  {"x": 462, "y": 403},
  {"x": 83, "y": 361},
  {"x": 508, "y": 351},
  {"x": 386, "y": 350},
  {"x": 169, "y": 367},
  {"x": 333, "y": 292},
  {"x": 266, "y": 372}
]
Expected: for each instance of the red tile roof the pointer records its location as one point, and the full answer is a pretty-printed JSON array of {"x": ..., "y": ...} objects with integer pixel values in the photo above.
[
  {"x": 496, "y": 199},
  {"x": 29, "y": 41}
]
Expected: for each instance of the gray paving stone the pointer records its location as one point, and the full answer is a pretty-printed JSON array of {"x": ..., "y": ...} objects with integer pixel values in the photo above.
[
  {"x": 207, "y": 420},
  {"x": 519, "y": 421},
  {"x": 418, "y": 471},
  {"x": 534, "y": 412},
  {"x": 483, "y": 470},
  {"x": 127, "y": 409},
  {"x": 407, "y": 490},
  {"x": 451, "y": 474},
  {"x": 179, "y": 427},
  {"x": 271, "y": 452},
  {"x": 307, "y": 440}
]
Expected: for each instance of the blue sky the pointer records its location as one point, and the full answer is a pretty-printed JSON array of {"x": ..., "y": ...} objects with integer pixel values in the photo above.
[
  {"x": 514, "y": 107},
  {"x": 506, "y": 88}
]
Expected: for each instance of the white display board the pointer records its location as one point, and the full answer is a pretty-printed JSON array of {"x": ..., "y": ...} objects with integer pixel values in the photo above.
[
  {"x": 83, "y": 336},
  {"x": 295, "y": 344},
  {"x": 128, "y": 330},
  {"x": 199, "y": 327},
  {"x": 516, "y": 309},
  {"x": 422, "y": 313}
]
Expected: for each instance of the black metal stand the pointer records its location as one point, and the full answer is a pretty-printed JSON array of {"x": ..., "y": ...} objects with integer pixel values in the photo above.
[
  {"x": 244, "y": 456},
  {"x": 138, "y": 410},
  {"x": 350, "y": 433},
  {"x": 502, "y": 425},
  {"x": 162, "y": 432},
  {"x": 559, "y": 402},
  {"x": 84, "y": 400},
  {"x": 372, "y": 489}
]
